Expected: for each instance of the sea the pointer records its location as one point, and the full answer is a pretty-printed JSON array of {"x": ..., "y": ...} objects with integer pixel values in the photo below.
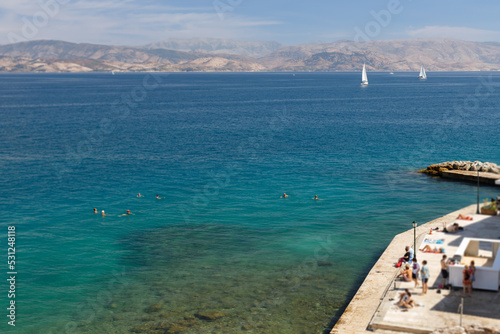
[{"x": 211, "y": 245}]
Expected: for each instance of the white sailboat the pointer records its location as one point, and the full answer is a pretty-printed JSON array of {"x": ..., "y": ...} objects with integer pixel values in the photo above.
[
  {"x": 422, "y": 75},
  {"x": 364, "y": 78}
]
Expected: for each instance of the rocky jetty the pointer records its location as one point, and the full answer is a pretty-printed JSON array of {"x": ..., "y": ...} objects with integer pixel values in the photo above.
[{"x": 472, "y": 166}]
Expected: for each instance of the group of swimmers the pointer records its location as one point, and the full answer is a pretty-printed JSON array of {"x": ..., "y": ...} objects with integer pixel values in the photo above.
[
  {"x": 285, "y": 196},
  {"x": 104, "y": 213},
  {"x": 127, "y": 213},
  {"x": 157, "y": 196}
]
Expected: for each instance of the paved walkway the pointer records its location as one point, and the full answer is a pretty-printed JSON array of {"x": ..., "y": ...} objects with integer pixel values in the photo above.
[{"x": 374, "y": 305}]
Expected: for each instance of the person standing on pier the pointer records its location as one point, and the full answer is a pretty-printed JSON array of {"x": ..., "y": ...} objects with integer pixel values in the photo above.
[
  {"x": 425, "y": 276},
  {"x": 472, "y": 271},
  {"x": 444, "y": 269},
  {"x": 416, "y": 269},
  {"x": 467, "y": 283}
]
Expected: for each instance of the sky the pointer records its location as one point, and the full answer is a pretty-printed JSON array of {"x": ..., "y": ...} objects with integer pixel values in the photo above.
[{"x": 291, "y": 22}]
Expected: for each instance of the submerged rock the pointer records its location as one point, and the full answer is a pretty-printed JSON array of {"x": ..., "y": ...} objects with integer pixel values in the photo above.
[
  {"x": 325, "y": 264},
  {"x": 154, "y": 308},
  {"x": 177, "y": 328},
  {"x": 144, "y": 328},
  {"x": 210, "y": 316}
]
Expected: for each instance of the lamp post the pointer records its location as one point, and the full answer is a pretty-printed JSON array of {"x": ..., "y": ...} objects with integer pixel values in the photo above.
[
  {"x": 478, "y": 166},
  {"x": 414, "y": 238}
]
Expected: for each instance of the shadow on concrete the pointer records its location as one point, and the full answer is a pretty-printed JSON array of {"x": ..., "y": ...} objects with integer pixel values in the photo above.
[
  {"x": 477, "y": 230},
  {"x": 483, "y": 303}
]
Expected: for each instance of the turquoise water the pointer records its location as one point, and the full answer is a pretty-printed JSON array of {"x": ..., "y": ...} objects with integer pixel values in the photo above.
[{"x": 221, "y": 252}]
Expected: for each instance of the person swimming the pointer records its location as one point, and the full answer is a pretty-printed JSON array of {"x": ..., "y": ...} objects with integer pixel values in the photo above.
[
  {"x": 139, "y": 195},
  {"x": 316, "y": 197},
  {"x": 95, "y": 210},
  {"x": 126, "y": 214},
  {"x": 103, "y": 213},
  {"x": 284, "y": 195}
]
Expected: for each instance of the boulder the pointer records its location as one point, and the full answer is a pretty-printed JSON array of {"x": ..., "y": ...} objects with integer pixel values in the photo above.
[
  {"x": 154, "y": 308},
  {"x": 210, "y": 316}
]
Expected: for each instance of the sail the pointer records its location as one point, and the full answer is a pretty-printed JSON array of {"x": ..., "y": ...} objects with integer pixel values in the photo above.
[
  {"x": 364, "y": 78},
  {"x": 422, "y": 74}
]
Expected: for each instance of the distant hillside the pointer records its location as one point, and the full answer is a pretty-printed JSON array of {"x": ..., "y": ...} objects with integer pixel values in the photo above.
[
  {"x": 254, "y": 49},
  {"x": 57, "y": 56},
  {"x": 222, "y": 55},
  {"x": 65, "y": 50},
  {"x": 393, "y": 55}
]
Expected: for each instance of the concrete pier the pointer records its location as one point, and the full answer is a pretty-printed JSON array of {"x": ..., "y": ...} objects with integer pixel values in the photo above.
[
  {"x": 374, "y": 308},
  {"x": 462, "y": 175}
]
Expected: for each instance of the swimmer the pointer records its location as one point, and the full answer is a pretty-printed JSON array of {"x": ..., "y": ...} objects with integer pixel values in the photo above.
[
  {"x": 126, "y": 214},
  {"x": 315, "y": 197},
  {"x": 103, "y": 213},
  {"x": 158, "y": 197},
  {"x": 95, "y": 210},
  {"x": 284, "y": 195},
  {"x": 139, "y": 195}
]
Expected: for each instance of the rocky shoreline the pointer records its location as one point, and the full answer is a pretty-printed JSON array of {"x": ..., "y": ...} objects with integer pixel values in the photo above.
[{"x": 472, "y": 166}]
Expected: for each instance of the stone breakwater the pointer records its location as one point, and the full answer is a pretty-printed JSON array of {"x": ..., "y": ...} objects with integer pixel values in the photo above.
[{"x": 472, "y": 166}]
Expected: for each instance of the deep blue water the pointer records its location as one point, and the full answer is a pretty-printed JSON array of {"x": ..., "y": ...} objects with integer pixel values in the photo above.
[{"x": 221, "y": 149}]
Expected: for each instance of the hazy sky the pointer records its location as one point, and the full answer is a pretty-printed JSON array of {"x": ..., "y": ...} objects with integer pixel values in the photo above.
[{"x": 137, "y": 22}]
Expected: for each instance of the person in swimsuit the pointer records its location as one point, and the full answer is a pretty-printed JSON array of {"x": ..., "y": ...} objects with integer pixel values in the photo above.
[
  {"x": 451, "y": 229},
  {"x": 404, "y": 294},
  {"x": 429, "y": 249},
  {"x": 407, "y": 301},
  {"x": 467, "y": 283},
  {"x": 405, "y": 274},
  {"x": 472, "y": 271}
]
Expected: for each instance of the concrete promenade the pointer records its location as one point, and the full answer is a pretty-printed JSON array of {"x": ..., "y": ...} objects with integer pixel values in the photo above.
[{"x": 374, "y": 308}]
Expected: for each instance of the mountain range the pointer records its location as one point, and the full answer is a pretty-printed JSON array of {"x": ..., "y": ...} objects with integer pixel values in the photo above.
[{"x": 175, "y": 55}]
